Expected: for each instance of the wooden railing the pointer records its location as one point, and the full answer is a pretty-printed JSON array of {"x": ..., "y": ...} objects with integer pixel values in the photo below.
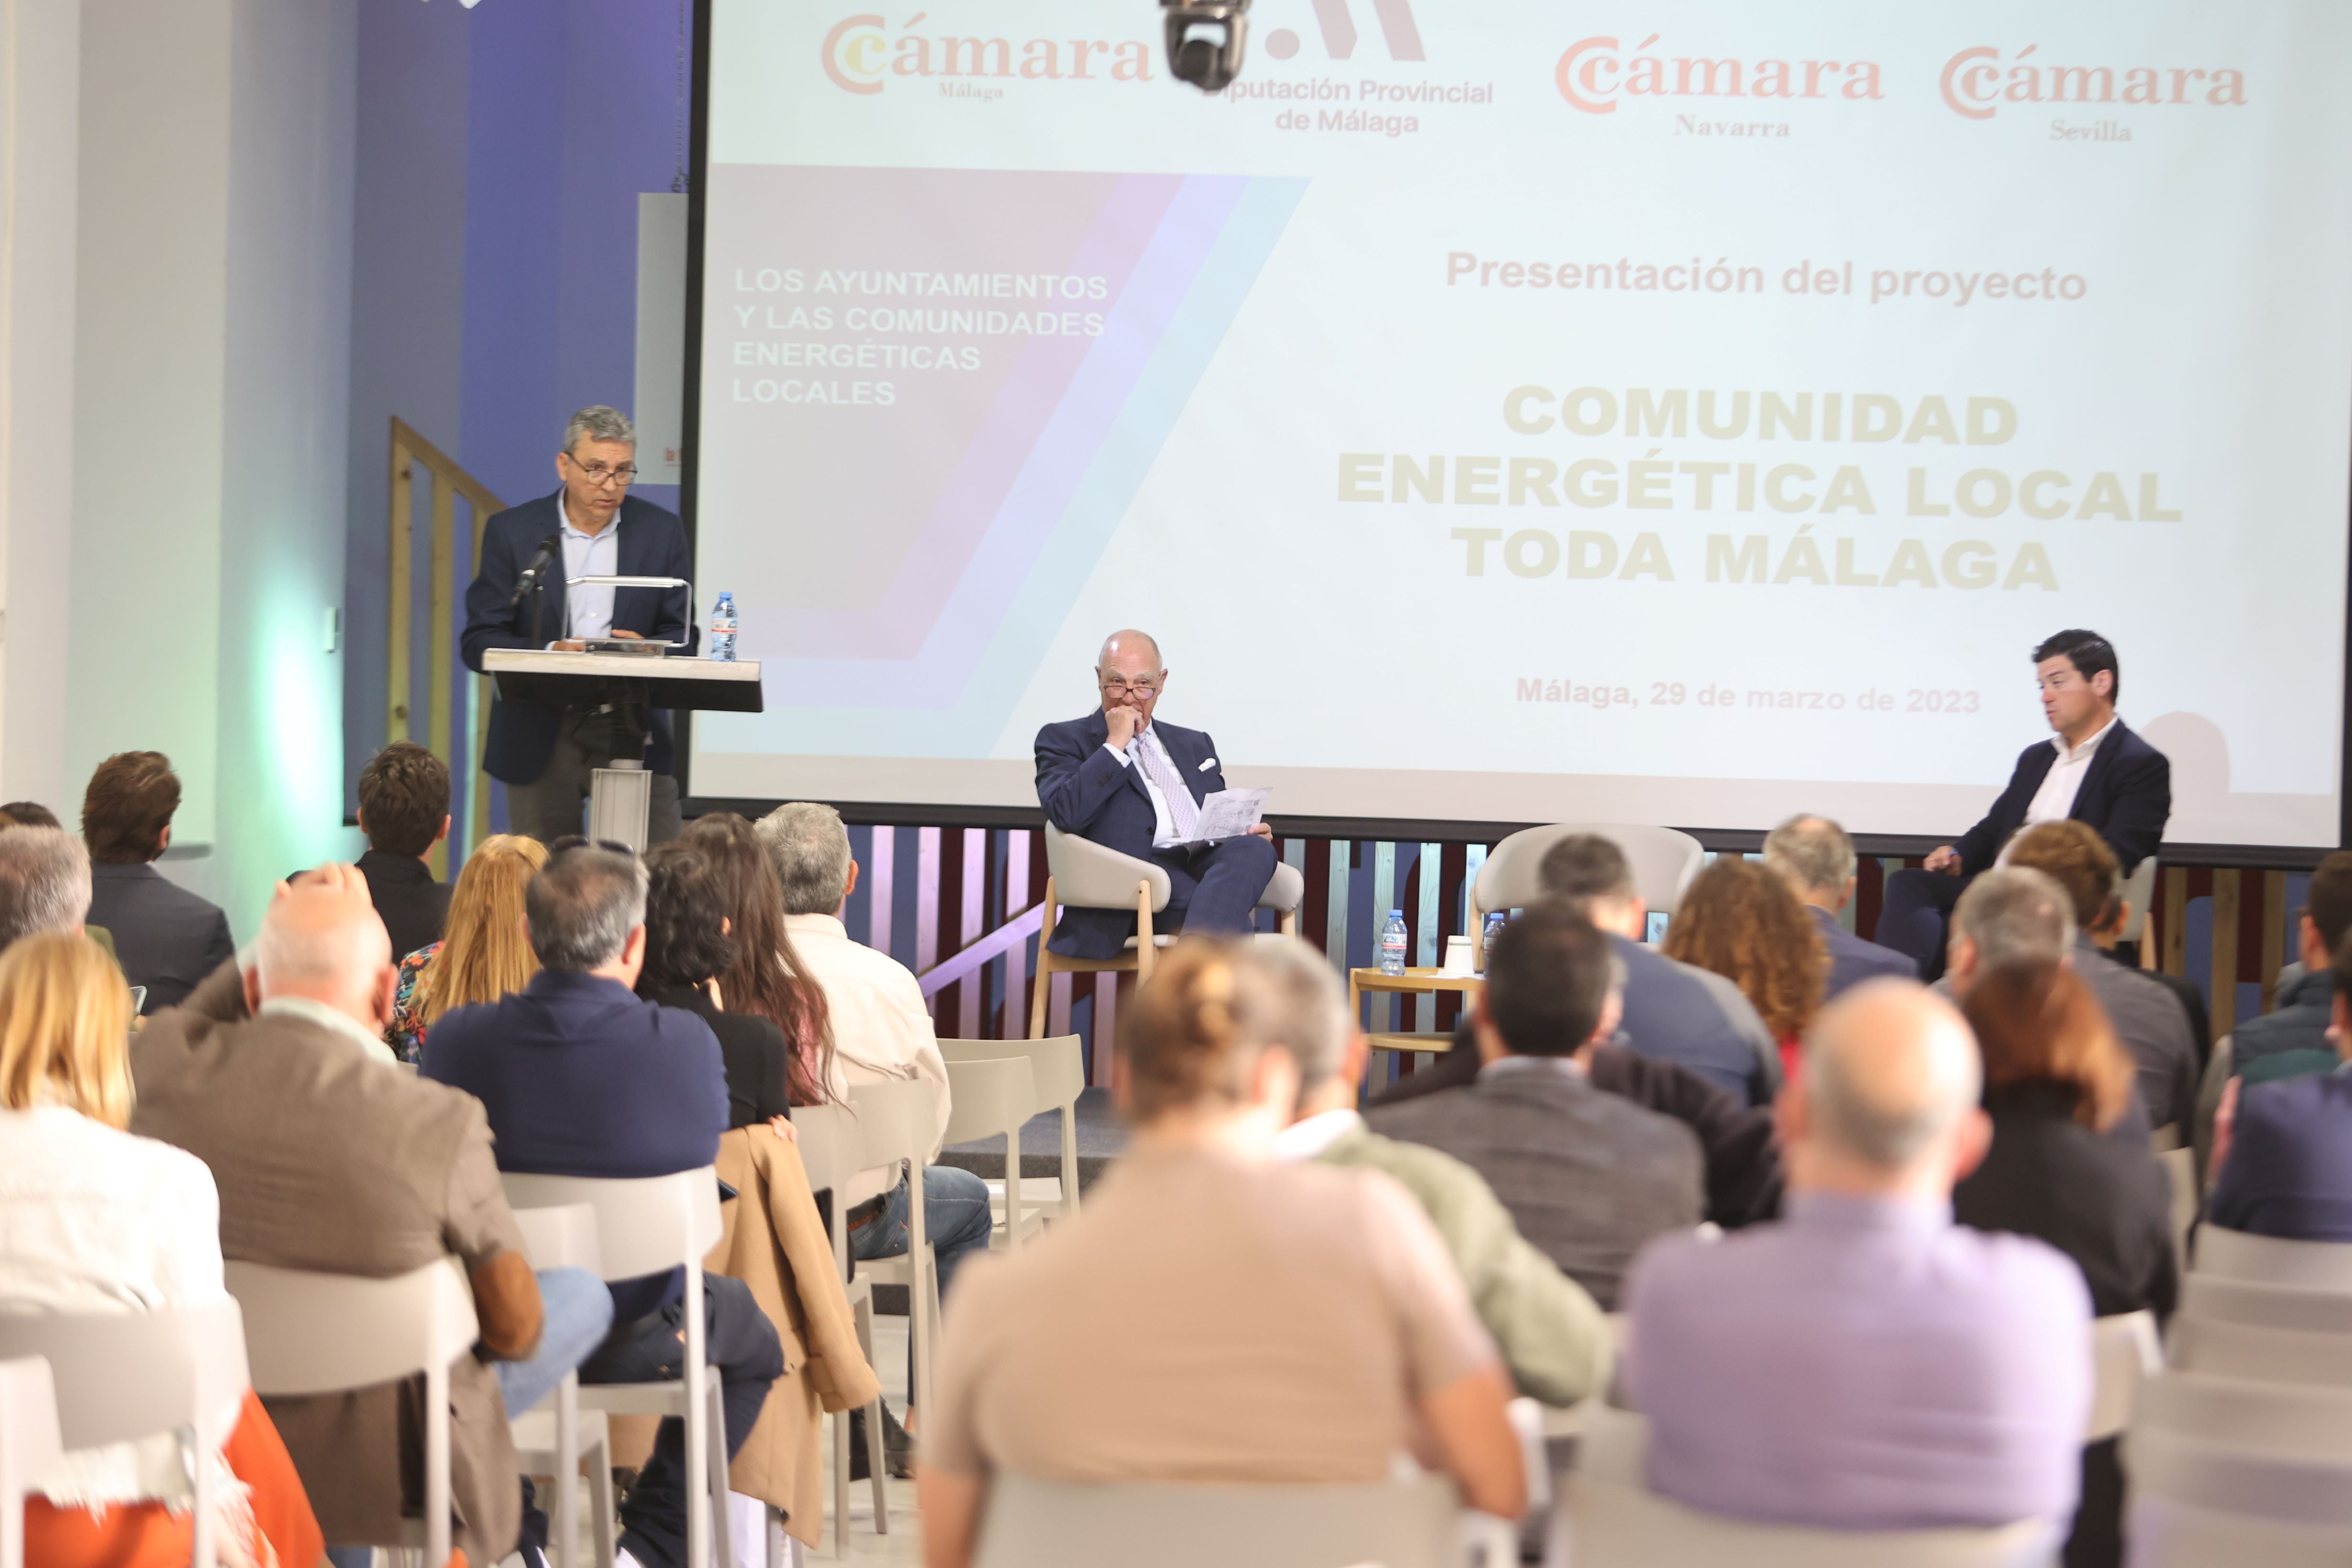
[{"x": 452, "y": 559}]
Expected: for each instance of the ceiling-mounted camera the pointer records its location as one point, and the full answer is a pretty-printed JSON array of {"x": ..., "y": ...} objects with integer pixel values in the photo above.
[{"x": 1204, "y": 41}]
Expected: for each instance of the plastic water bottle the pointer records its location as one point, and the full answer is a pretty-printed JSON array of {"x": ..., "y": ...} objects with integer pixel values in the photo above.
[
  {"x": 1393, "y": 944},
  {"x": 1494, "y": 924},
  {"x": 722, "y": 630}
]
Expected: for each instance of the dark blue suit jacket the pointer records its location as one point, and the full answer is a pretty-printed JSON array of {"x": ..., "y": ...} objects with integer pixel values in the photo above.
[
  {"x": 652, "y": 544},
  {"x": 1671, "y": 1017},
  {"x": 165, "y": 937},
  {"x": 1087, "y": 794},
  {"x": 2289, "y": 1173},
  {"x": 2126, "y": 795},
  {"x": 583, "y": 1078},
  {"x": 1852, "y": 960}
]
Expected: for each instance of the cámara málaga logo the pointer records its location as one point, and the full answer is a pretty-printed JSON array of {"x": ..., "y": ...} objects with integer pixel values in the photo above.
[
  {"x": 863, "y": 52},
  {"x": 1595, "y": 74}
]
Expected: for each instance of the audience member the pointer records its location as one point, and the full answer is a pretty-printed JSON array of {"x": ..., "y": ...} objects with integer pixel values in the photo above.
[
  {"x": 166, "y": 938},
  {"x": 1817, "y": 859},
  {"x": 1867, "y": 1364},
  {"x": 329, "y": 1158},
  {"x": 1740, "y": 921},
  {"x": 768, "y": 976},
  {"x": 44, "y": 883},
  {"x": 486, "y": 953},
  {"x": 2107, "y": 936},
  {"x": 881, "y": 1034},
  {"x": 1214, "y": 1315},
  {"x": 2147, "y": 1017},
  {"x": 404, "y": 812},
  {"x": 2294, "y": 1036},
  {"x": 29, "y": 814},
  {"x": 580, "y": 1077},
  {"x": 1587, "y": 1176},
  {"x": 2284, "y": 1147},
  {"x": 94, "y": 1219},
  {"x": 1552, "y": 1335},
  {"x": 687, "y": 947}
]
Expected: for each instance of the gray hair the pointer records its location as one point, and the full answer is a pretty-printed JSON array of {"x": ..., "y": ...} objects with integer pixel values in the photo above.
[
  {"x": 1866, "y": 1098},
  {"x": 598, "y": 423},
  {"x": 582, "y": 907},
  {"x": 1811, "y": 852},
  {"x": 1583, "y": 869},
  {"x": 1310, "y": 1012},
  {"x": 44, "y": 882},
  {"x": 1104, "y": 656},
  {"x": 809, "y": 848},
  {"x": 2015, "y": 914}
]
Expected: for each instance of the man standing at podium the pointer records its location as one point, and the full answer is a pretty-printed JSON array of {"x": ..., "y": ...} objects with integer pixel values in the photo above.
[
  {"x": 1120, "y": 780},
  {"x": 592, "y": 527}
]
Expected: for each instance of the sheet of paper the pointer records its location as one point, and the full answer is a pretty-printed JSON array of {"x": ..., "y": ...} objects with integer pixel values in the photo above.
[{"x": 1229, "y": 814}]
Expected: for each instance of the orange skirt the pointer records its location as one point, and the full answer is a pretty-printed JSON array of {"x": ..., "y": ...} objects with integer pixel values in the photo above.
[{"x": 151, "y": 1535}]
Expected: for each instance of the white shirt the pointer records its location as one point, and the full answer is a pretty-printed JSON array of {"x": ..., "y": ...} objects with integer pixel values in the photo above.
[
  {"x": 1163, "y": 827},
  {"x": 881, "y": 1030},
  {"x": 326, "y": 1017},
  {"x": 2054, "y": 800},
  {"x": 588, "y": 611},
  {"x": 1306, "y": 1138}
]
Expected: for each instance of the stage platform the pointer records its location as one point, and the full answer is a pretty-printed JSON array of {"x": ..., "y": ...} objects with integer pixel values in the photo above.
[{"x": 1101, "y": 1140}]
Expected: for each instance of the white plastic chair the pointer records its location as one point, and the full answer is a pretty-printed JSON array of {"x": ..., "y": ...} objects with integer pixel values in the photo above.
[
  {"x": 2291, "y": 1419},
  {"x": 832, "y": 1150},
  {"x": 552, "y": 1441},
  {"x": 899, "y": 1125},
  {"x": 1048, "y": 1524},
  {"x": 992, "y": 1100},
  {"x": 651, "y": 1225},
  {"x": 1612, "y": 1520},
  {"x": 1663, "y": 862},
  {"x": 2259, "y": 1354},
  {"x": 1083, "y": 875},
  {"x": 2125, "y": 1352},
  {"x": 2300, "y": 1307},
  {"x": 308, "y": 1332},
  {"x": 2206, "y": 1501},
  {"x": 30, "y": 1445},
  {"x": 1057, "y": 1073},
  {"x": 2270, "y": 1260},
  {"x": 2138, "y": 891}
]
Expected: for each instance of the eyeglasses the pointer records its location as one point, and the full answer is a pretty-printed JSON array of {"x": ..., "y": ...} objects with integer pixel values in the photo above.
[
  {"x": 1117, "y": 687},
  {"x": 599, "y": 475}
]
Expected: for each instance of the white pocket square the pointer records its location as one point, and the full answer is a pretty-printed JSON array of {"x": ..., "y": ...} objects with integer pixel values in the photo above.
[{"x": 1207, "y": 765}]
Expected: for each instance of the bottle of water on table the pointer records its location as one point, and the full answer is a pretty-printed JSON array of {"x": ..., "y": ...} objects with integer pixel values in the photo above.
[
  {"x": 1494, "y": 924},
  {"x": 1393, "y": 944},
  {"x": 722, "y": 630}
]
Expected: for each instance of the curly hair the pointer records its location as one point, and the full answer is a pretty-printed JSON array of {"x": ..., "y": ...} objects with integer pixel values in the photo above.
[
  {"x": 1741, "y": 921},
  {"x": 685, "y": 917},
  {"x": 403, "y": 798},
  {"x": 766, "y": 977}
]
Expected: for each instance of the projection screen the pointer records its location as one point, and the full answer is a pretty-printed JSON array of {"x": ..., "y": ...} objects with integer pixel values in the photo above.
[{"x": 1678, "y": 413}]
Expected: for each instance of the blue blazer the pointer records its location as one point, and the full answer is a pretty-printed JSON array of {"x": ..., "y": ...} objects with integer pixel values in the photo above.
[
  {"x": 1852, "y": 960},
  {"x": 2126, "y": 795},
  {"x": 2289, "y": 1173},
  {"x": 652, "y": 544},
  {"x": 1086, "y": 793}
]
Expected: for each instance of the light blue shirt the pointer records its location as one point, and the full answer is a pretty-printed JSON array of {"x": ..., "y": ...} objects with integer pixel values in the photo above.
[{"x": 588, "y": 612}]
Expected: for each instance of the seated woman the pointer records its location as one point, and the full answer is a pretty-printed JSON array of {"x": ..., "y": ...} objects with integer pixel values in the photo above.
[
  {"x": 766, "y": 978},
  {"x": 1214, "y": 1315},
  {"x": 2055, "y": 1082},
  {"x": 486, "y": 953},
  {"x": 94, "y": 1219},
  {"x": 687, "y": 948},
  {"x": 1740, "y": 921}
]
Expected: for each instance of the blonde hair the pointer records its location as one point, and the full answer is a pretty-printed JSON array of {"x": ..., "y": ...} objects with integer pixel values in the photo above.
[
  {"x": 1193, "y": 1033},
  {"x": 486, "y": 953},
  {"x": 64, "y": 1029}
]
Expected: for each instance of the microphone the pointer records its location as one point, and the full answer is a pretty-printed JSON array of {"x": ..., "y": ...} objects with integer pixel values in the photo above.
[{"x": 549, "y": 548}]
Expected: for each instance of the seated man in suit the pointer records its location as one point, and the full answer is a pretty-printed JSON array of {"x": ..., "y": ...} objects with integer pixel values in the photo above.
[
  {"x": 592, "y": 527},
  {"x": 1119, "y": 779},
  {"x": 2093, "y": 769},
  {"x": 581, "y": 1077},
  {"x": 165, "y": 937},
  {"x": 1816, "y": 859},
  {"x": 1867, "y": 1364},
  {"x": 1588, "y": 1176},
  {"x": 2284, "y": 1147},
  {"x": 404, "y": 812}
]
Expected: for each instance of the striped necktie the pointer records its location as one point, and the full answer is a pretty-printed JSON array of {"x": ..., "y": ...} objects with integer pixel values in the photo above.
[{"x": 1183, "y": 811}]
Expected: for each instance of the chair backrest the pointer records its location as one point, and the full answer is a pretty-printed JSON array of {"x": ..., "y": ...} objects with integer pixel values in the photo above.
[
  {"x": 2139, "y": 891},
  {"x": 2284, "y": 1418},
  {"x": 563, "y": 1237},
  {"x": 120, "y": 1375},
  {"x": 319, "y": 1333},
  {"x": 1057, "y": 1065},
  {"x": 2125, "y": 1352},
  {"x": 1615, "y": 1522},
  {"x": 830, "y": 1143},
  {"x": 2250, "y": 1350},
  {"x": 2209, "y": 1473},
  {"x": 988, "y": 1099},
  {"x": 29, "y": 1439},
  {"x": 1663, "y": 862},
  {"x": 898, "y": 1121},
  {"x": 2273, "y": 1260},
  {"x": 1089, "y": 877},
  {"x": 644, "y": 1224},
  {"x": 1052, "y": 1524},
  {"x": 2314, "y": 1311}
]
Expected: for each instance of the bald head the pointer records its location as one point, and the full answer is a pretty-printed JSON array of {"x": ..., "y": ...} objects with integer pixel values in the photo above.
[
  {"x": 1123, "y": 650},
  {"x": 323, "y": 940},
  {"x": 1889, "y": 1092}
]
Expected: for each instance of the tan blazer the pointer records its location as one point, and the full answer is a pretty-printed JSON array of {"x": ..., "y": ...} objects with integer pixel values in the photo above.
[
  {"x": 330, "y": 1158},
  {"x": 775, "y": 1244}
]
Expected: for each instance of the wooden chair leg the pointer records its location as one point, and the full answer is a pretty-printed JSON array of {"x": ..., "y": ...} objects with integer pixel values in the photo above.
[
  {"x": 1288, "y": 924},
  {"x": 1145, "y": 950}
]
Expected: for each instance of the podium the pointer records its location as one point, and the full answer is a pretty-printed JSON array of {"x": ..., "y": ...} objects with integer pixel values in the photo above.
[{"x": 619, "y": 796}]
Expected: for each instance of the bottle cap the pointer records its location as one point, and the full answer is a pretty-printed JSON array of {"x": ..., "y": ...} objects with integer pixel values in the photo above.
[{"x": 1396, "y": 915}]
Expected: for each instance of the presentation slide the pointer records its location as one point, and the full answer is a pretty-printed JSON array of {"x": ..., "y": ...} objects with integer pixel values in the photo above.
[{"x": 1672, "y": 412}]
